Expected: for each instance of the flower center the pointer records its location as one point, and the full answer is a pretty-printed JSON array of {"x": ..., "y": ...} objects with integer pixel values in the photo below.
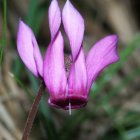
[{"x": 68, "y": 63}]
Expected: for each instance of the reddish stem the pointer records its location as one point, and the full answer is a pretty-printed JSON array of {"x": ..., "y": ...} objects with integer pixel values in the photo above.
[{"x": 32, "y": 112}]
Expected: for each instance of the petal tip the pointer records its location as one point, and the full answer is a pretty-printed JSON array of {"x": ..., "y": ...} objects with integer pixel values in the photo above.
[
  {"x": 60, "y": 35},
  {"x": 54, "y": 18},
  {"x": 54, "y": 2},
  {"x": 68, "y": 2},
  {"x": 21, "y": 23},
  {"x": 22, "y": 26},
  {"x": 69, "y": 6},
  {"x": 73, "y": 24},
  {"x": 113, "y": 38},
  {"x": 110, "y": 41}
]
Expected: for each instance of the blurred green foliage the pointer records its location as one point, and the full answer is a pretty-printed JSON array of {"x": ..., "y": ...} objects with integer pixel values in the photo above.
[{"x": 3, "y": 39}]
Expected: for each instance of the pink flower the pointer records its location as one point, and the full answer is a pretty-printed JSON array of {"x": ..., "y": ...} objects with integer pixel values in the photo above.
[{"x": 68, "y": 80}]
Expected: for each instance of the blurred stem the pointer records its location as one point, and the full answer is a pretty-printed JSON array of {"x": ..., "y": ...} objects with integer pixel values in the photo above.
[
  {"x": 5, "y": 15},
  {"x": 33, "y": 112},
  {"x": 3, "y": 41}
]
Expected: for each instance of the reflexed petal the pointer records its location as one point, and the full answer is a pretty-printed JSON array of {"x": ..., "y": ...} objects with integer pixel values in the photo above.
[
  {"x": 54, "y": 18},
  {"x": 100, "y": 56},
  {"x": 54, "y": 70},
  {"x": 78, "y": 76},
  {"x": 28, "y": 49},
  {"x": 74, "y": 27}
]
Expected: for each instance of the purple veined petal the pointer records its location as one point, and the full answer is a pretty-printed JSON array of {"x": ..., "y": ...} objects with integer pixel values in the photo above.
[
  {"x": 54, "y": 18},
  {"x": 74, "y": 27},
  {"x": 77, "y": 80},
  {"x": 28, "y": 49},
  {"x": 54, "y": 70},
  {"x": 103, "y": 53}
]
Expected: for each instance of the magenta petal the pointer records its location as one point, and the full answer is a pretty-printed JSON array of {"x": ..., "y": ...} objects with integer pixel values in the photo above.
[
  {"x": 74, "y": 27},
  {"x": 103, "y": 53},
  {"x": 54, "y": 70},
  {"x": 54, "y": 18},
  {"x": 77, "y": 81},
  {"x": 28, "y": 49}
]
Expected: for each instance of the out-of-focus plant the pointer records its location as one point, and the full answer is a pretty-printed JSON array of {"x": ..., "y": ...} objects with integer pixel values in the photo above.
[{"x": 3, "y": 39}]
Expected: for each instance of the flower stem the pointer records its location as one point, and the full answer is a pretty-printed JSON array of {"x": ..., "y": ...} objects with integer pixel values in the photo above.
[{"x": 32, "y": 113}]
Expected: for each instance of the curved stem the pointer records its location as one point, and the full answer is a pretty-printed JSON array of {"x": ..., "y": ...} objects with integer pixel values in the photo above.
[{"x": 32, "y": 112}]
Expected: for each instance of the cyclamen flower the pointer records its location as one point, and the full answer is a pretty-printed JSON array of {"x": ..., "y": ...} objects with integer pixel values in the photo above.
[{"x": 67, "y": 89}]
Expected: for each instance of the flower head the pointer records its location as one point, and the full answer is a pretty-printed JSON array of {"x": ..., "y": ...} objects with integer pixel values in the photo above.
[{"x": 68, "y": 78}]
